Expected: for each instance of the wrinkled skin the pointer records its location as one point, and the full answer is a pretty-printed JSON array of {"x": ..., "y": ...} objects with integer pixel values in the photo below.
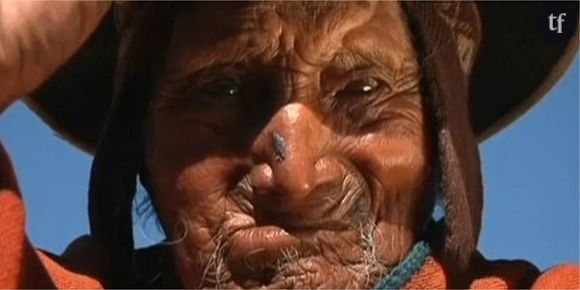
[{"x": 287, "y": 144}]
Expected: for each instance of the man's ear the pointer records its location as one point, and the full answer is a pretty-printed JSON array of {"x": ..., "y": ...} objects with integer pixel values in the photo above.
[{"x": 444, "y": 84}]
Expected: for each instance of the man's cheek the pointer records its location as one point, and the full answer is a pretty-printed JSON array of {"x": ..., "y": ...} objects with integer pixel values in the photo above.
[
  {"x": 184, "y": 130},
  {"x": 397, "y": 169},
  {"x": 398, "y": 163},
  {"x": 403, "y": 173},
  {"x": 182, "y": 189},
  {"x": 195, "y": 204},
  {"x": 208, "y": 180}
]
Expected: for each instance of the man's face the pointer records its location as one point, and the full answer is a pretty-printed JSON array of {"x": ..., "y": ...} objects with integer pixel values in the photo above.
[{"x": 286, "y": 144}]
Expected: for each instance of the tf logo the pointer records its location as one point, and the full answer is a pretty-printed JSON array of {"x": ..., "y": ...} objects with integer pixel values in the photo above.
[{"x": 559, "y": 19}]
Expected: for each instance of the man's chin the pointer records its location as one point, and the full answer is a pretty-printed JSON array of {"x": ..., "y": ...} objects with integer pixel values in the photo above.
[
  {"x": 301, "y": 273},
  {"x": 318, "y": 272},
  {"x": 270, "y": 257}
]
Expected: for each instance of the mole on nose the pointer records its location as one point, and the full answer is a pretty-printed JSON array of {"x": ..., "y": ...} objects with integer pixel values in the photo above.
[
  {"x": 279, "y": 146},
  {"x": 285, "y": 153}
]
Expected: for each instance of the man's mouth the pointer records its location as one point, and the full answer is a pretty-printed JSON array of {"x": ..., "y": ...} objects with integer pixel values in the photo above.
[
  {"x": 260, "y": 242},
  {"x": 257, "y": 255}
]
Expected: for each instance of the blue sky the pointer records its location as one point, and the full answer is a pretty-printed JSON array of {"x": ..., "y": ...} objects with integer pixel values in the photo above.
[{"x": 530, "y": 170}]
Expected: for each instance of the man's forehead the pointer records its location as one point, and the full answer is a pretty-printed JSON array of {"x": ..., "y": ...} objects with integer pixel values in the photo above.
[
  {"x": 218, "y": 32},
  {"x": 298, "y": 13}
]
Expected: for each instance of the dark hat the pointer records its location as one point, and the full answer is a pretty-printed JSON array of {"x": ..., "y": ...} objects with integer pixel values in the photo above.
[{"x": 483, "y": 65}]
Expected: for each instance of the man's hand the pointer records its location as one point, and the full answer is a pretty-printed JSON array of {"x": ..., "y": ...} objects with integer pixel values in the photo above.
[{"x": 36, "y": 37}]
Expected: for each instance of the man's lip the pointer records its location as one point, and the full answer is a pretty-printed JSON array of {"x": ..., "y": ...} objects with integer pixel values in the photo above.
[
  {"x": 236, "y": 221},
  {"x": 314, "y": 225},
  {"x": 242, "y": 223},
  {"x": 251, "y": 250},
  {"x": 266, "y": 242}
]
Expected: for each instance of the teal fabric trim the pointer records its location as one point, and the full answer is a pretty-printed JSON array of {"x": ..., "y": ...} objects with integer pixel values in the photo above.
[{"x": 403, "y": 272}]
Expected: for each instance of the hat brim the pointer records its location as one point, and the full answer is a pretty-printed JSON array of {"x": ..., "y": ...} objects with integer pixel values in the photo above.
[{"x": 517, "y": 64}]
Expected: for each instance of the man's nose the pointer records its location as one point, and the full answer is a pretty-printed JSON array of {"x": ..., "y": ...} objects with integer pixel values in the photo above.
[{"x": 290, "y": 154}]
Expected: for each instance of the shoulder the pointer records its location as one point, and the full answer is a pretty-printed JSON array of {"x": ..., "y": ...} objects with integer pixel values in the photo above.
[
  {"x": 563, "y": 276},
  {"x": 80, "y": 266},
  {"x": 504, "y": 274},
  {"x": 522, "y": 274},
  {"x": 153, "y": 266}
]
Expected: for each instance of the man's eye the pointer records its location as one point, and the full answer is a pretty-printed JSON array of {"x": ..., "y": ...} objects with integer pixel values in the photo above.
[
  {"x": 218, "y": 91},
  {"x": 361, "y": 88},
  {"x": 223, "y": 88}
]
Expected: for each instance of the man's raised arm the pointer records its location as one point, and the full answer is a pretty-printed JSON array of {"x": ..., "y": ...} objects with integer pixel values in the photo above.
[{"x": 36, "y": 37}]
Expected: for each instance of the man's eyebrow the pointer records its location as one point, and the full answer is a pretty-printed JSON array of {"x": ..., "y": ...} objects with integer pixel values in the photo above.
[
  {"x": 236, "y": 57},
  {"x": 348, "y": 60},
  {"x": 213, "y": 60},
  {"x": 352, "y": 60}
]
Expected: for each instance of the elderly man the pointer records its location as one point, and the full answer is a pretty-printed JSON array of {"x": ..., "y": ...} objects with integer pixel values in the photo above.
[{"x": 283, "y": 145}]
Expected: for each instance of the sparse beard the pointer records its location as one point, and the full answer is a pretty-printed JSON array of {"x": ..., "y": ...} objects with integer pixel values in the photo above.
[{"x": 288, "y": 270}]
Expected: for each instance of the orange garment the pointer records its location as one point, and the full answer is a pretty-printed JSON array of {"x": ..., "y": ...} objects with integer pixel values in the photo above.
[
  {"x": 500, "y": 274},
  {"x": 22, "y": 266}
]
